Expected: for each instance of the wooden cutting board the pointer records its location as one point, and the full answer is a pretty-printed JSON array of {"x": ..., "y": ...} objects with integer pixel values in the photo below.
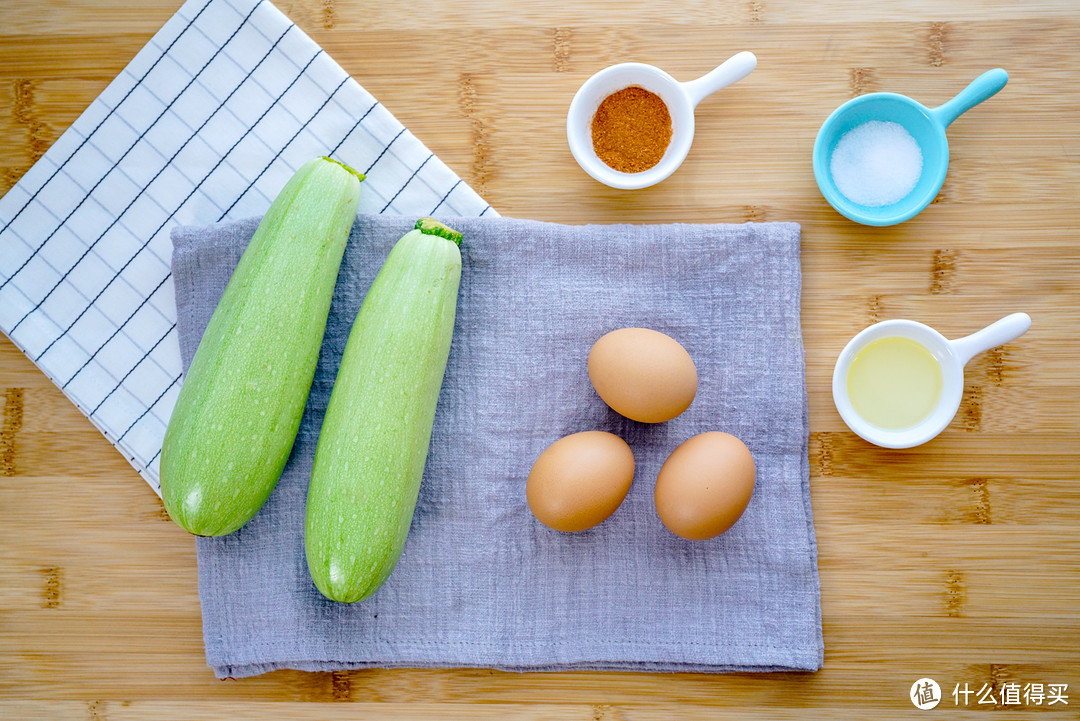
[{"x": 958, "y": 561}]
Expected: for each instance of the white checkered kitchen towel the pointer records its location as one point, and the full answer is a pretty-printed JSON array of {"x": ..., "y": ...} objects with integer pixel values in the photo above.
[{"x": 206, "y": 123}]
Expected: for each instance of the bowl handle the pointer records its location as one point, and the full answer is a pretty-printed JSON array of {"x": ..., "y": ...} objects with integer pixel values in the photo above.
[
  {"x": 1008, "y": 328},
  {"x": 981, "y": 88},
  {"x": 735, "y": 68}
]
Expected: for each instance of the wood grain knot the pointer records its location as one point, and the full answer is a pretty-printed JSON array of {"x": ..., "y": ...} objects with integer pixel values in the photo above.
[
  {"x": 936, "y": 38},
  {"x": 996, "y": 367},
  {"x": 13, "y": 420},
  {"x": 600, "y": 712},
  {"x": 162, "y": 513},
  {"x": 992, "y": 368},
  {"x": 980, "y": 500},
  {"x": 340, "y": 685},
  {"x": 329, "y": 15},
  {"x": 955, "y": 592},
  {"x": 468, "y": 101},
  {"x": 754, "y": 213},
  {"x": 861, "y": 80},
  {"x": 95, "y": 710},
  {"x": 999, "y": 674},
  {"x": 821, "y": 453},
  {"x": 874, "y": 308},
  {"x": 53, "y": 588},
  {"x": 560, "y": 47},
  {"x": 25, "y": 114},
  {"x": 971, "y": 408},
  {"x": 9, "y": 177},
  {"x": 942, "y": 272},
  {"x": 756, "y": 11}
]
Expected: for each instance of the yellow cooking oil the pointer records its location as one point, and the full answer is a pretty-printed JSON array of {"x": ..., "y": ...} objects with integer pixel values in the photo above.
[{"x": 894, "y": 382}]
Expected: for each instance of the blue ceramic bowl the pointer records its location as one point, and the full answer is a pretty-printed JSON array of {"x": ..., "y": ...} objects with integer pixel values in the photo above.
[{"x": 926, "y": 125}]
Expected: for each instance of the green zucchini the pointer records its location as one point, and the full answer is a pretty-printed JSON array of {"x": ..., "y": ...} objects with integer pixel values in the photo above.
[
  {"x": 243, "y": 396},
  {"x": 374, "y": 440}
]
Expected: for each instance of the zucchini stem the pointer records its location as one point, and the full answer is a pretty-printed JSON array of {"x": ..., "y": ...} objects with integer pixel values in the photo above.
[
  {"x": 355, "y": 172},
  {"x": 430, "y": 226}
]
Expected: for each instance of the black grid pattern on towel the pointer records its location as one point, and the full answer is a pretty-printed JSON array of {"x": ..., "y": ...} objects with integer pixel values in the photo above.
[{"x": 205, "y": 124}]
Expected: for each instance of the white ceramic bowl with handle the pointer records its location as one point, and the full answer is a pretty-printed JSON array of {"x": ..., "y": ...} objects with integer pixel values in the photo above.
[
  {"x": 680, "y": 98},
  {"x": 951, "y": 355}
]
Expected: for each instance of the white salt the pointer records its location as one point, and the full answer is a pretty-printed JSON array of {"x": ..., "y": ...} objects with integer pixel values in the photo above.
[{"x": 876, "y": 164}]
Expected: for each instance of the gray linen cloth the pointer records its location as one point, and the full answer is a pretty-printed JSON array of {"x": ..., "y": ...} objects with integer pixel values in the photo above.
[{"x": 481, "y": 582}]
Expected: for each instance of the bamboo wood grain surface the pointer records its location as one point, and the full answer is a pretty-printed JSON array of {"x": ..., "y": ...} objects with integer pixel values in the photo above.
[{"x": 958, "y": 560}]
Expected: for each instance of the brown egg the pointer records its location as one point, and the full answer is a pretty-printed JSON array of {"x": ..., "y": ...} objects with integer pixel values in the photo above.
[
  {"x": 705, "y": 485},
  {"x": 579, "y": 480},
  {"x": 643, "y": 374}
]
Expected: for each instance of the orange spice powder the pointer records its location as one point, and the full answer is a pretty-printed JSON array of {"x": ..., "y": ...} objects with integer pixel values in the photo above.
[{"x": 631, "y": 129}]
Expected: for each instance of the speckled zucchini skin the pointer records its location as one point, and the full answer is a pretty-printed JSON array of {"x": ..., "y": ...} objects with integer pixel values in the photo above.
[
  {"x": 374, "y": 440},
  {"x": 243, "y": 396}
]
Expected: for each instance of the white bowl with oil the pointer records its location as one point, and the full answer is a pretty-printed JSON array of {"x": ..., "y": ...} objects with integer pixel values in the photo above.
[{"x": 898, "y": 383}]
